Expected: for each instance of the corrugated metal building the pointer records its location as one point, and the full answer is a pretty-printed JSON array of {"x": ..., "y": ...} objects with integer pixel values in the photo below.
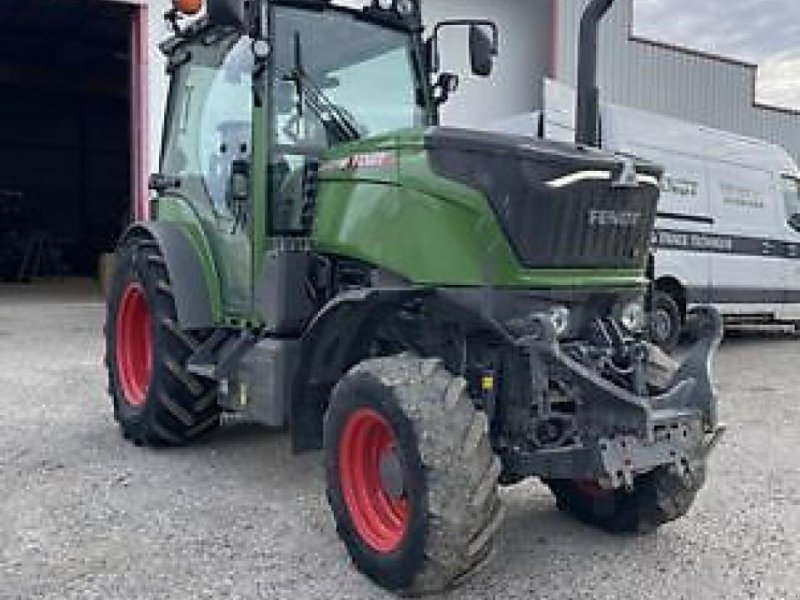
[{"x": 679, "y": 82}]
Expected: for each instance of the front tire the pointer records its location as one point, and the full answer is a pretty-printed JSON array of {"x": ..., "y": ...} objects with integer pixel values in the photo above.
[
  {"x": 411, "y": 475},
  {"x": 156, "y": 400},
  {"x": 657, "y": 498}
]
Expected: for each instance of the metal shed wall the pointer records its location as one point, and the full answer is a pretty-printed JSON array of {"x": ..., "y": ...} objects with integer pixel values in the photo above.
[{"x": 677, "y": 82}]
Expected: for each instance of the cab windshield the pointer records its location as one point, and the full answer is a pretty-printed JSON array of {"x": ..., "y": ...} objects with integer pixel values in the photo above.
[
  {"x": 336, "y": 78},
  {"x": 362, "y": 74}
]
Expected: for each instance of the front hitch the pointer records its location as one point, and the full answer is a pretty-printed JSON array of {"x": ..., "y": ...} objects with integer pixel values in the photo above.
[
  {"x": 697, "y": 365},
  {"x": 625, "y": 434}
]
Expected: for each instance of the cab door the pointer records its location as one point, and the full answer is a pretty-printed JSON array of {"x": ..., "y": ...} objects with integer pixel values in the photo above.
[{"x": 209, "y": 149}]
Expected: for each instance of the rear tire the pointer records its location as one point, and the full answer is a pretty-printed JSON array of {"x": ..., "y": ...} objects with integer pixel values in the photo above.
[
  {"x": 441, "y": 487},
  {"x": 666, "y": 322},
  {"x": 657, "y": 498},
  {"x": 156, "y": 400}
]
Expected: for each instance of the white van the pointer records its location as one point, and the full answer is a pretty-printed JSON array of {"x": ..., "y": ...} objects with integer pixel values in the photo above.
[{"x": 728, "y": 227}]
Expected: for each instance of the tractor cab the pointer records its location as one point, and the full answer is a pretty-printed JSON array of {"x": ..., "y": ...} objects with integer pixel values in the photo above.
[{"x": 257, "y": 101}]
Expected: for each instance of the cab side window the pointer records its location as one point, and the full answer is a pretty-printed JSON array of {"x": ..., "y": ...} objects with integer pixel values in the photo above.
[
  {"x": 210, "y": 125},
  {"x": 226, "y": 125}
]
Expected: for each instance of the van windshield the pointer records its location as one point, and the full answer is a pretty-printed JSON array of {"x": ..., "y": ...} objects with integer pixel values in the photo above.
[{"x": 791, "y": 195}]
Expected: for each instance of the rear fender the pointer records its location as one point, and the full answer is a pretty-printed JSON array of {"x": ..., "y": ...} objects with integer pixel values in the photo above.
[{"x": 191, "y": 272}]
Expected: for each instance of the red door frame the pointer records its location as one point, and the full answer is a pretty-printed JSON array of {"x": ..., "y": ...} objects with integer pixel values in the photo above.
[{"x": 140, "y": 121}]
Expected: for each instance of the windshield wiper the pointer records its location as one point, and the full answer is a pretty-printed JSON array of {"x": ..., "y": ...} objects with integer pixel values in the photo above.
[{"x": 308, "y": 91}]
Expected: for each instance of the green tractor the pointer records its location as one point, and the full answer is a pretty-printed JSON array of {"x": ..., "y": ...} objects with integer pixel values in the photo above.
[{"x": 442, "y": 311}]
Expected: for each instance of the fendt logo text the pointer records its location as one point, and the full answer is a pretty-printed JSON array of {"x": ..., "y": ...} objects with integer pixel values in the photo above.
[{"x": 614, "y": 218}]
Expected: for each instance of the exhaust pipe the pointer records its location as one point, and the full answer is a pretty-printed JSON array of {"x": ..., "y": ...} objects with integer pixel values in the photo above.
[{"x": 586, "y": 132}]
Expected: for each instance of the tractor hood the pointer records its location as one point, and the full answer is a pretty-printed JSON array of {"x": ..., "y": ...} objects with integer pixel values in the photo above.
[{"x": 559, "y": 205}]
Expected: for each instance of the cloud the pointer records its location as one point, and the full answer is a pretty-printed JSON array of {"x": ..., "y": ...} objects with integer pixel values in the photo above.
[
  {"x": 765, "y": 32},
  {"x": 779, "y": 80}
]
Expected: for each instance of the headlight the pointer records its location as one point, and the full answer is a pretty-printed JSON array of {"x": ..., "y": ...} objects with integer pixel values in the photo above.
[
  {"x": 559, "y": 315},
  {"x": 632, "y": 317}
]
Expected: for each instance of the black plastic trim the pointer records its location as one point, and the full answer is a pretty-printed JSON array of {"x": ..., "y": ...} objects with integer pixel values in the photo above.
[
  {"x": 726, "y": 295},
  {"x": 186, "y": 275},
  {"x": 731, "y": 245},
  {"x": 687, "y": 218}
]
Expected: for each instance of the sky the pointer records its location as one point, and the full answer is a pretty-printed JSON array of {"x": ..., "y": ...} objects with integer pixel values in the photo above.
[{"x": 764, "y": 32}]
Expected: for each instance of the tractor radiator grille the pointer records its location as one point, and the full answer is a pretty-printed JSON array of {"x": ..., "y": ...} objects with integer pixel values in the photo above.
[
  {"x": 591, "y": 225},
  {"x": 551, "y": 220}
]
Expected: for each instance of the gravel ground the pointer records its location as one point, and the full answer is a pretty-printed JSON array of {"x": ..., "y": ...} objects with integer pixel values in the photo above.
[{"x": 83, "y": 514}]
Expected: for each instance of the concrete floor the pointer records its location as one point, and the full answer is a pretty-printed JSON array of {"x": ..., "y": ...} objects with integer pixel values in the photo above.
[
  {"x": 69, "y": 290},
  {"x": 83, "y": 514}
]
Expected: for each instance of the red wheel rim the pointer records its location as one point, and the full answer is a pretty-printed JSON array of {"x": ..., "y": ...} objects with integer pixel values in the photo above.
[
  {"x": 379, "y": 518},
  {"x": 134, "y": 345}
]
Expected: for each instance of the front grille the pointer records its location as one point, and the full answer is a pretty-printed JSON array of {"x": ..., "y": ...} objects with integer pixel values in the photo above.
[{"x": 587, "y": 224}]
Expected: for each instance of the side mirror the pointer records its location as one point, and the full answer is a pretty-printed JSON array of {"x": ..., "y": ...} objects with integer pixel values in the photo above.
[
  {"x": 483, "y": 46},
  {"x": 794, "y": 222},
  {"x": 228, "y": 13},
  {"x": 482, "y": 50}
]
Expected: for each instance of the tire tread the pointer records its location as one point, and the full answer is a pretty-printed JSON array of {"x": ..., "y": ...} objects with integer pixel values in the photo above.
[
  {"x": 657, "y": 498},
  {"x": 181, "y": 407},
  {"x": 462, "y": 471}
]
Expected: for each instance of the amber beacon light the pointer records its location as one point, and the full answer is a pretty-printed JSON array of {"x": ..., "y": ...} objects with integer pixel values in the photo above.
[{"x": 188, "y": 7}]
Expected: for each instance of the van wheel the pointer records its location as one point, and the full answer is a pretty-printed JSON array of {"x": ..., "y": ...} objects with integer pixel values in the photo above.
[{"x": 666, "y": 322}]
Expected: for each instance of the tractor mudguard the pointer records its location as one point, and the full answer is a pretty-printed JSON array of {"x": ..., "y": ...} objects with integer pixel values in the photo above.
[
  {"x": 186, "y": 274},
  {"x": 329, "y": 345}
]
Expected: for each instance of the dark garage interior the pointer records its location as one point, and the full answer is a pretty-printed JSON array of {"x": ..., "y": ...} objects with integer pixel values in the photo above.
[{"x": 65, "y": 158}]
